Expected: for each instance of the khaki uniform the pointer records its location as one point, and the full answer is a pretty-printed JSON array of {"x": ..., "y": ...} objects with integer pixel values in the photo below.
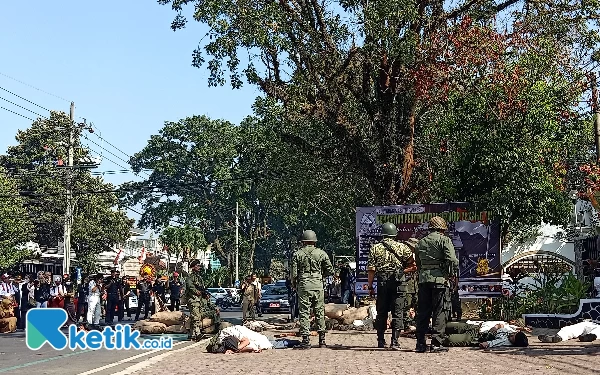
[
  {"x": 249, "y": 300},
  {"x": 436, "y": 262},
  {"x": 194, "y": 289},
  {"x": 8, "y": 321},
  {"x": 309, "y": 266},
  {"x": 391, "y": 283}
]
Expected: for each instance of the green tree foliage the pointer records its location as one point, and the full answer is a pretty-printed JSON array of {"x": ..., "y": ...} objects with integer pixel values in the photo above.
[
  {"x": 372, "y": 72},
  {"x": 15, "y": 226},
  {"x": 36, "y": 164},
  {"x": 381, "y": 86}
]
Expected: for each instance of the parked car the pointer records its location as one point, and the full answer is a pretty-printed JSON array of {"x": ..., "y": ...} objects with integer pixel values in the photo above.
[
  {"x": 275, "y": 298},
  {"x": 280, "y": 283},
  {"x": 216, "y": 293}
]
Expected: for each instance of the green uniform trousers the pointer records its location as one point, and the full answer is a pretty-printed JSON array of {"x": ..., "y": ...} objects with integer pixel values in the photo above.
[
  {"x": 248, "y": 308},
  {"x": 432, "y": 305},
  {"x": 196, "y": 314},
  {"x": 307, "y": 301},
  {"x": 461, "y": 334},
  {"x": 390, "y": 298}
]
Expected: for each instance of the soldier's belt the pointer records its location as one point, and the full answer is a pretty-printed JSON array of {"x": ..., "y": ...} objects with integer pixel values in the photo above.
[{"x": 430, "y": 266}]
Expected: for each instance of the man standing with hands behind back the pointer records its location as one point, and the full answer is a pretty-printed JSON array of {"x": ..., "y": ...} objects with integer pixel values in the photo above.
[
  {"x": 437, "y": 263},
  {"x": 309, "y": 266}
]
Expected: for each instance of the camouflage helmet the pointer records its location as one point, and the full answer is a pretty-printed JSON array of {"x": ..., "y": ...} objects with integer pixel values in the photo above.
[
  {"x": 309, "y": 236},
  {"x": 389, "y": 230},
  {"x": 437, "y": 222}
]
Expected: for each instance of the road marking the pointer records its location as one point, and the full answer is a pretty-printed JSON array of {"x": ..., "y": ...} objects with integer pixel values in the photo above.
[
  {"x": 42, "y": 361},
  {"x": 128, "y": 359},
  {"x": 152, "y": 360}
]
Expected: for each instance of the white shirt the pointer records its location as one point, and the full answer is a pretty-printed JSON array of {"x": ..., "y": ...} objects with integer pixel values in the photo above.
[
  {"x": 257, "y": 341},
  {"x": 486, "y": 326},
  {"x": 56, "y": 290},
  {"x": 7, "y": 289},
  {"x": 93, "y": 285}
]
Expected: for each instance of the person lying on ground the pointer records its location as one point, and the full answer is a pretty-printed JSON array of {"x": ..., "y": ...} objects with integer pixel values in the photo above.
[
  {"x": 501, "y": 334},
  {"x": 239, "y": 339},
  {"x": 585, "y": 331}
]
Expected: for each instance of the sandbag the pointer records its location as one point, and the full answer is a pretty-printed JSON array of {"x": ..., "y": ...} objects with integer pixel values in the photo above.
[
  {"x": 335, "y": 310},
  {"x": 139, "y": 324},
  {"x": 153, "y": 327},
  {"x": 354, "y": 313},
  {"x": 169, "y": 318},
  {"x": 8, "y": 325},
  {"x": 176, "y": 329}
]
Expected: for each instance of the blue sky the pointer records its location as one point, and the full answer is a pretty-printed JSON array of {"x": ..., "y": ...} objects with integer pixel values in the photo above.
[{"x": 119, "y": 61}]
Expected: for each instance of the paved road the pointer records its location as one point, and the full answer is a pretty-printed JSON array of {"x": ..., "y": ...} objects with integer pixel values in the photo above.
[
  {"x": 16, "y": 358},
  {"x": 353, "y": 352}
]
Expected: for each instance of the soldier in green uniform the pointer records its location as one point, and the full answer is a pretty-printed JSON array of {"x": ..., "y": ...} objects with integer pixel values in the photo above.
[
  {"x": 388, "y": 259},
  {"x": 309, "y": 266},
  {"x": 412, "y": 288},
  {"x": 196, "y": 301},
  {"x": 436, "y": 262}
]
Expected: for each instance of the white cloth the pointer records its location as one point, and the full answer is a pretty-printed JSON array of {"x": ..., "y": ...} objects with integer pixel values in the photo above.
[
  {"x": 94, "y": 306},
  {"x": 56, "y": 290},
  {"x": 486, "y": 326},
  {"x": 92, "y": 285},
  {"x": 257, "y": 341},
  {"x": 576, "y": 330},
  {"x": 8, "y": 289}
]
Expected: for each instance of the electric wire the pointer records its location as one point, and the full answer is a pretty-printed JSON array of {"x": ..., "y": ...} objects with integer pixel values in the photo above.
[
  {"x": 33, "y": 87},
  {"x": 22, "y": 98},
  {"x": 15, "y": 104},
  {"x": 18, "y": 114}
]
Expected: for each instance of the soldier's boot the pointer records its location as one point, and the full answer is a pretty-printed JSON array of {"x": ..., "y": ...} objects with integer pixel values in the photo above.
[
  {"x": 437, "y": 347},
  {"x": 394, "y": 345},
  {"x": 305, "y": 344},
  {"x": 380, "y": 338},
  {"x": 322, "y": 343}
]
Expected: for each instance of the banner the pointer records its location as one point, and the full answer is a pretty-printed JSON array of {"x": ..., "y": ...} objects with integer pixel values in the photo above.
[{"x": 475, "y": 235}]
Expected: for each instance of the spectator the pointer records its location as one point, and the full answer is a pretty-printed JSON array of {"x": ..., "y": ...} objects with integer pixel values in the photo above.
[
  {"x": 41, "y": 292},
  {"x": 57, "y": 294},
  {"x": 175, "y": 287},
  {"x": 126, "y": 293},
  {"x": 94, "y": 303},
  {"x": 82, "y": 298}
]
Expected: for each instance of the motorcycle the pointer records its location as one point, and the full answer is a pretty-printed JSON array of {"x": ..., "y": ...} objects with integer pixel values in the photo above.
[{"x": 224, "y": 303}]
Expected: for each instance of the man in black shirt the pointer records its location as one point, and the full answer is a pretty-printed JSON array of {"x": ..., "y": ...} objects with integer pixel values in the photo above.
[
  {"x": 144, "y": 287},
  {"x": 125, "y": 292},
  {"x": 83, "y": 291},
  {"x": 175, "y": 289},
  {"x": 159, "y": 292},
  {"x": 113, "y": 295}
]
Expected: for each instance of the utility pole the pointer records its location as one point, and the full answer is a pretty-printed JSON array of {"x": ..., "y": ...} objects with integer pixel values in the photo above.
[
  {"x": 69, "y": 195},
  {"x": 596, "y": 110},
  {"x": 237, "y": 242}
]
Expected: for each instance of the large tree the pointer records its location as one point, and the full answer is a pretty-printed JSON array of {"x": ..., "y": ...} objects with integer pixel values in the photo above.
[
  {"x": 380, "y": 87},
  {"x": 37, "y": 162},
  {"x": 371, "y": 72},
  {"x": 15, "y": 226}
]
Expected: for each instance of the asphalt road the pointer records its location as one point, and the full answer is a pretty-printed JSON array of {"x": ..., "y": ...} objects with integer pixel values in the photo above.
[{"x": 16, "y": 358}]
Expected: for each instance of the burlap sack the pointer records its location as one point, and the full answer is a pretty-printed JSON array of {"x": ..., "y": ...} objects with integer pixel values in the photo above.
[
  {"x": 8, "y": 325},
  {"x": 354, "y": 313},
  {"x": 176, "y": 329},
  {"x": 146, "y": 326},
  {"x": 169, "y": 318},
  {"x": 335, "y": 310}
]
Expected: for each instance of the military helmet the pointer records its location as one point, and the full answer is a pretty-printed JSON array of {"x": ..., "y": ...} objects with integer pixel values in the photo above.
[
  {"x": 437, "y": 222},
  {"x": 389, "y": 230},
  {"x": 309, "y": 236}
]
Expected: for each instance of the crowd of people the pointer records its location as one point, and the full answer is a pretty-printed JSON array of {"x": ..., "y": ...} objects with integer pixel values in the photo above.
[{"x": 87, "y": 301}]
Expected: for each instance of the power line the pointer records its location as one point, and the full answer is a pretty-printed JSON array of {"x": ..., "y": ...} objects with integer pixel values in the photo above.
[
  {"x": 15, "y": 104},
  {"x": 33, "y": 87},
  {"x": 110, "y": 144},
  {"x": 127, "y": 162},
  {"x": 18, "y": 114},
  {"x": 27, "y": 100}
]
